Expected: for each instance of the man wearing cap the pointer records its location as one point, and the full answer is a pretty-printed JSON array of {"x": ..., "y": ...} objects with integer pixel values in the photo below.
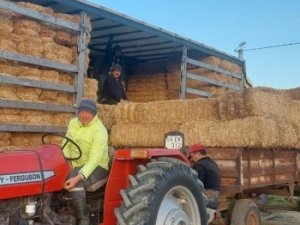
[
  {"x": 208, "y": 173},
  {"x": 113, "y": 88},
  {"x": 91, "y": 136}
]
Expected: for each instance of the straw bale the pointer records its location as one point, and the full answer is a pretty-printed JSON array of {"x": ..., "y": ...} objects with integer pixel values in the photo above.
[
  {"x": 61, "y": 119},
  {"x": 27, "y": 93},
  {"x": 169, "y": 111},
  {"x": 35, "y": 117},
  {"x": 26, "y": 27},
  {"x": 64, "y": 54},
  {"x": 90, "y": 88},
  {"x": 6, "y": 44},
  {"x": 50, "y": 75},
  {"x": 26, "y": 139},
  {"x": 56, "y": 97},
  {"x": 63, "y": 37},
  {"x": 226, "y": 65},
  {"x": 47, "y": 31},
  {"x": 252, "y": 102},
  {"x": 251, "y": 132},
  {"x": 148, "y": 98},
  {"x": 6, "y": 24},
  {"x": 65, "y": 99},
  {"x": 173, "y": 64},
  {"x": 294, "y": 93},
  {"x": 5, "y": 138},
  {"x": 8, "y": 67},
  {"x": 31, "y": 46},
  {"x": 142, "y": 86},
  {"x": 55, "y": 52},
  {"x": 106, "y": 114},
  {"x": 146, "y": 93},
  {"x": 66, "y": 78},
  {"x": 9, "y": 116},
  {"x": 8, "y": 92},
  {"x": 27, "y": 72},
  {"x": 140, "y": 134},
  {"x": 36, "y": 7},
  {"x": 211, "y": 60}
]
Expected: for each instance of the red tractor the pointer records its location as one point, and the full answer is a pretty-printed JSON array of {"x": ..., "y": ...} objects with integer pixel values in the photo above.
[{"x": 145, "y": 186}]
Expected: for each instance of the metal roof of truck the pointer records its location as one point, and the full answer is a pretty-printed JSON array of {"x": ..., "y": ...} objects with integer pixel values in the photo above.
[{"x": 139, "y": 40}]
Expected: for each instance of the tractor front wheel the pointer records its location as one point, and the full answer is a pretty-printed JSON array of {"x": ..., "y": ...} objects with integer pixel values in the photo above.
[{"x": 166, "y": 191}]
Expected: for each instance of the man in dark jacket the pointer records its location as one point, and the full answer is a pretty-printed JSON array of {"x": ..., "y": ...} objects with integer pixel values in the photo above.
[
  {"x": 113, "y": 88},
  {"x": 208, "y": 173}
]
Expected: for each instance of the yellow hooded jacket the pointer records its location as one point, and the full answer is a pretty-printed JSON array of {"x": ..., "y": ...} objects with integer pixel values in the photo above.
[{"x": 92, "y": 139}]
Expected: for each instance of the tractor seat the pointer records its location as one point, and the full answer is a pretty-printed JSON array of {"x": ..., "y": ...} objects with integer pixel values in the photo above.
[{"x": 100, "y": 183}]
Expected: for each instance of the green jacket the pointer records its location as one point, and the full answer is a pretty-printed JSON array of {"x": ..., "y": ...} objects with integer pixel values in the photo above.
[{"x": 92, "y": 139}]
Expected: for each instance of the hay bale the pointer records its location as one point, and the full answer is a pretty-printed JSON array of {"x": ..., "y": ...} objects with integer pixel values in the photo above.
[
  {"x": 48, "y": 31},
  {"x": 253, "y": 102},
  {"x": 26, "y": 27},
  {"x": 6, "y": 44},
  {"x": 26, "y": 139},
  {"x": 106, "y": 114},
  {"x": 211, "y": 60},
  {"x": 56, "y": 97},
  {"x": 66, "y": 78},
  {"x": 8, "y": 68},
  {"x": 170, "y": 111},
  {"x": 31, "y": 46},
  {"x": 32, "y": 73},
  {"x": 140, "y": 134},
  {"x": 61, "y": 119},
  {"x": 51, "y": 76},
  {"x": 27, "y": 93},
  {"x": 63, "y": 37},
  {"x": 8, "y": 92},
  {"x": 9, "y": 116},
  {"x": 5, "y": 139},
  {"x": 294, "y": 93},
  {"x": 6, "y": 24},
  {"x": 251, "y": 132},
  {"x": 90, "y": 88}
]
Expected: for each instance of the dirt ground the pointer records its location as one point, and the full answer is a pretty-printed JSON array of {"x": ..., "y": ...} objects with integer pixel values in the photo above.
[{"x": 280, "y": 217}]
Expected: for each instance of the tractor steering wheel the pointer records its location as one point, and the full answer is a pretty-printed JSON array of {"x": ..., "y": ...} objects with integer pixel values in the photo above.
[{"x": 68, "y": 140}]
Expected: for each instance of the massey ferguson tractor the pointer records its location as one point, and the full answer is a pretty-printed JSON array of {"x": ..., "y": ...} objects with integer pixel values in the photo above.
[{"x": 144, "y": 187}]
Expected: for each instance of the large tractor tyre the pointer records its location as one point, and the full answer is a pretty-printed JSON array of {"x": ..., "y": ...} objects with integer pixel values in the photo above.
[
  {"x": 245, "y": 212},
  {"x": 164, "y": 192}
]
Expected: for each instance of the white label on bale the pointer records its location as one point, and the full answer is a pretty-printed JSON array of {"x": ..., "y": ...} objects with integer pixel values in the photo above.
[
  {"x": 174, "y": 142},
  {"x": 19, "y": 178}
]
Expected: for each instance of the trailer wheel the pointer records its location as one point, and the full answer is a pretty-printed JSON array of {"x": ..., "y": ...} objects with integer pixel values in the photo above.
[
  {"x": 245, "y": 212},
  {"x": 165, "y": 191}
]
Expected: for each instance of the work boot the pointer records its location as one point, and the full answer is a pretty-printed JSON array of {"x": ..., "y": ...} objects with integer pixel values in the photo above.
[{"x": 82, "y": 212}]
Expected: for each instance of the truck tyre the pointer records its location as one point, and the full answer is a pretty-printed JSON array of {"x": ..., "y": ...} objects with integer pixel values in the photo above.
[
  {"x": 165, "y": 191},
  {"x": 245, "y": 212}
]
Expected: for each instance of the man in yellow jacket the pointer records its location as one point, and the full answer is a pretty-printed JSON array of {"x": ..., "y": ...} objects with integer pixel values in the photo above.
[{"x": 91, "y": 136}]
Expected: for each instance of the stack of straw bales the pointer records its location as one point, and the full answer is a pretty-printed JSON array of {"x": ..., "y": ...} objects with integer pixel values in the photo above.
[
  {"x": 253, "y": 118},
  {"x": 20, "y": 34},
  {"x": 174, "y": 77},
  {"x": 147, "y": 88}
]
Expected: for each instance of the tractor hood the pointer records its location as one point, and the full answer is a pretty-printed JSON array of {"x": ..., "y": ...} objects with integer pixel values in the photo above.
[{"x": 32, "y": 171}]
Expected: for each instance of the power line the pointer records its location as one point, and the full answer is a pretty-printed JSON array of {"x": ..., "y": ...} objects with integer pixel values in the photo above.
[{"x": 272, "y": 46}]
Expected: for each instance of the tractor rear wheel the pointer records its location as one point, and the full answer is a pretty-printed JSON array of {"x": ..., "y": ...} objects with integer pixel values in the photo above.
[
  {"x": 245, "y": 212},
  {"x": 166, "y": 191}
]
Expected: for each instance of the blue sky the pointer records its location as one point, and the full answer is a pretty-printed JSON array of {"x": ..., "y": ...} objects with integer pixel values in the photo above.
[{"x": 224, "y": 24}]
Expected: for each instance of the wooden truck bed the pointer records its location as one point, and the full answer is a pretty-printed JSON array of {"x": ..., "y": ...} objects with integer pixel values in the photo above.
[{"x": 243, "y": 170}]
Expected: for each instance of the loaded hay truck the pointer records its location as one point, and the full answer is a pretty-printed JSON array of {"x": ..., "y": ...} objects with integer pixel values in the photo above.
[{"x": 43, "y": 66}]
